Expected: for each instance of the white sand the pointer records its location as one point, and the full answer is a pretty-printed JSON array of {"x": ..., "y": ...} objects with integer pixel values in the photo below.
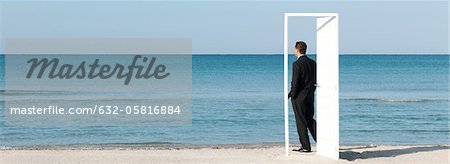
[{"x": 274, "y": 154}]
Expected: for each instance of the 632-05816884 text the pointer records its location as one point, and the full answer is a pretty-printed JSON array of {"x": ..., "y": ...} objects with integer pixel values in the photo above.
[{"x": 99, "y": 109}]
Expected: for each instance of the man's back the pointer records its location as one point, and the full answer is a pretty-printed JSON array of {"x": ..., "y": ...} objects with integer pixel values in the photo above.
[{"x": 304, "y": 78}]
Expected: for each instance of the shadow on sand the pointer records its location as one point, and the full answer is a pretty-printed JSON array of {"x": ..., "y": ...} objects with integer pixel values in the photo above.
[{"x": 350, "y": 155}]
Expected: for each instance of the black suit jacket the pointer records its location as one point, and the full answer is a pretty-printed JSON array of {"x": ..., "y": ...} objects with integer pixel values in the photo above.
[{"x": 303, "y": 78}]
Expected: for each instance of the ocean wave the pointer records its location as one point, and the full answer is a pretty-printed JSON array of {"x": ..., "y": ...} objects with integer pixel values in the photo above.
[
  {"x": 3, "y": 91},
  {"x": 399, "y": 130},
  {"x": 392, "y": 100}
]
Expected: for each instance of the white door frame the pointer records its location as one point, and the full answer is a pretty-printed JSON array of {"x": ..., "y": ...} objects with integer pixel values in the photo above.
[{"x": 327, "y": 99}]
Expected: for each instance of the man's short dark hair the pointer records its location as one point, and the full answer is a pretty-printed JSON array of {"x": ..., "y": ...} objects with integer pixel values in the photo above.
[{"x": 301, "y": 47}]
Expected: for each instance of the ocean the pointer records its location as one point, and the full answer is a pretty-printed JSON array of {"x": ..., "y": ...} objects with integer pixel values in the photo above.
[{"x": 238, "y": 99}]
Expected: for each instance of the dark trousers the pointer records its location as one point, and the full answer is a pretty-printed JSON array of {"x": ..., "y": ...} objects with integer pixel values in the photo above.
[{"x": 304, "y": 113}]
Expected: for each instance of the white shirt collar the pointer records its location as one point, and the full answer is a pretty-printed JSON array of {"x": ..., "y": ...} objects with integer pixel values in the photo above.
[{"x": 300, "y": 55}]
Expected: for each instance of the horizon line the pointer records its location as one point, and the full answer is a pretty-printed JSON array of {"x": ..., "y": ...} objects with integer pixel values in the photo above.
[
  {"x": 386, "y": 54},
  {"x": 341, "y": 54}
]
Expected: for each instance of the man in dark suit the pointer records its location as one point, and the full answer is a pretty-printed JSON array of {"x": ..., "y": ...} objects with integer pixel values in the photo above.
[{"x": 303, "y": 85}]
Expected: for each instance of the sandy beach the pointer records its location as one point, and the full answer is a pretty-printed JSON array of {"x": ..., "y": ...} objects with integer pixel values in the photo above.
[{"x": 223, "y": 154}]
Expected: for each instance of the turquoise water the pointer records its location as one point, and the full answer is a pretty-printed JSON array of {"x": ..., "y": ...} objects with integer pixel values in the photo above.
[{"x": 238, "y": 99}]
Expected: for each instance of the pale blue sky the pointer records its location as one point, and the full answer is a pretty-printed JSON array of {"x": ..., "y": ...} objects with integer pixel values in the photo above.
[{"x": 239, "y": 27}]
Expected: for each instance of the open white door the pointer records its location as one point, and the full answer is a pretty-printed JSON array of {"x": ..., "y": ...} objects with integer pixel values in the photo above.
[
  {"x": 327, "y": 92},
  {"x": 327, "y": 98}
]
